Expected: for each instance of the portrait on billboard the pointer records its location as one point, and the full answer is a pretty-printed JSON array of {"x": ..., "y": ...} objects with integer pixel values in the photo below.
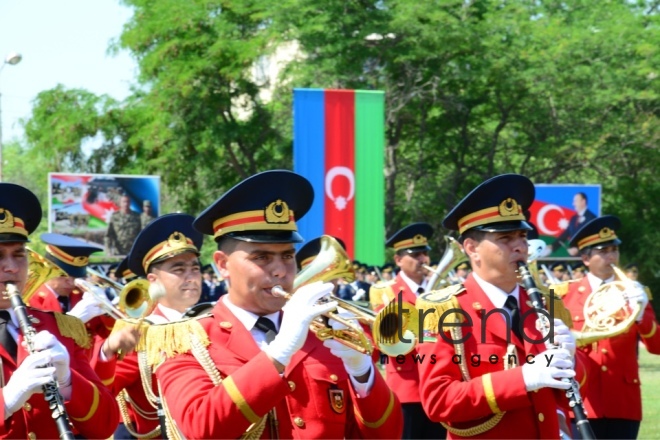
[
  {"x": 105, "y": 209},
  {"x": 559, "y": 211}
]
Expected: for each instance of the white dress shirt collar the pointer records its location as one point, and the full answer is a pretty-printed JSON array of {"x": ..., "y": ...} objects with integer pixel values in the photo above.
[
  {"x": 496, "y": 295},
  {"x": 595, "y": 282}
]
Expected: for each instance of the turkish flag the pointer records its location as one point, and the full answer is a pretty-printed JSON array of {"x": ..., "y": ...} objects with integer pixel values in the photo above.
[{"x": 550, "y": 219}]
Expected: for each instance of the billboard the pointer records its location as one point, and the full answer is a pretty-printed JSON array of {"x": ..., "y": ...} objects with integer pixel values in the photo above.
[
  {"x": 559, "y": 211},
  {"x": 105, "y": 209}
]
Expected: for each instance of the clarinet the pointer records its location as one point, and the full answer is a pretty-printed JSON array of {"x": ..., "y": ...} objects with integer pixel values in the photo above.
[
  {"x": 573, "y": 393},
  {"x": 51, "y": 392}
]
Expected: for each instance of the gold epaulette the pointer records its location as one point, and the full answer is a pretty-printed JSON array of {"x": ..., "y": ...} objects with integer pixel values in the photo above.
[
  {"x": 561, "y": 289},
  {"x": 381, "y": 294},
  {"x": 73, "y": 328},
  {"x": 164, "y": 341},
  {"x": 440, "y": 302},
  {"x": 121, "y": 324}
]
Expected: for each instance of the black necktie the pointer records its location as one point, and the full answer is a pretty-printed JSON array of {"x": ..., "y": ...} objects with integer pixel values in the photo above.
[
  {"x": 64, "y": 303},
  {"x": 512, "y": 304},
  {"x": 268, "y": 327},
  {"x": 6, "y": 339}
]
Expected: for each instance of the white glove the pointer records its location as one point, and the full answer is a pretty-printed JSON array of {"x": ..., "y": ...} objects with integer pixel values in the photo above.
[
  {"x": 638, "y": 295},
  {"x": 539, "y": 374},
  {"x": 563, "y": 337},
  {"x": 355, "y": 363},
  {"x": 54, "y": 353},
  {"x": 547, "y": 251},
  {"x": 359, "y": 295},
  {"x": 88, "y": 307},
  {"x": 299, "y": 312},
  {"x": 27, "y": 380}
]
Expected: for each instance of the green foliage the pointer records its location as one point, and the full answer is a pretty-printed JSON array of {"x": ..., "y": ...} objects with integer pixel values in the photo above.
[{"x": 563, "y": 92}]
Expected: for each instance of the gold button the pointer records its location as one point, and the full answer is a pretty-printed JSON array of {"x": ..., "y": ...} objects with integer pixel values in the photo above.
[
  {"x": 398, "y": 368},
  {"x": 604, "y": 350},
  {"x": 225, "y": 324},
  {"x": 541, "y": 417},
  {"x": 577, "y": 318},
  {"x": 27, "y": 406},
  {"x": 32, "y": 435},
  {"x": 604, "y": 368},
  {"x": 333, "y": 377},
  {"x": 292, "y": 385},
  {"x": 299, "y": 422},
  {"x": 635, "y": 381}
]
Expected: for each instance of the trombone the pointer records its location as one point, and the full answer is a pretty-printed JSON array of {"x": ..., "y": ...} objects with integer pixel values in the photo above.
[{"x": 332, "y": 263}]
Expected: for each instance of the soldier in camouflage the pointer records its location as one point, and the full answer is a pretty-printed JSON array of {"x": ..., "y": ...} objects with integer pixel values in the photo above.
[
  {"x": 147, "y": 213},
  {"x": 123, "y": 227}
]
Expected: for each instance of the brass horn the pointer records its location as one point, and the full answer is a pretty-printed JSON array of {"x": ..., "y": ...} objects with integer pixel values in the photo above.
[
  {"x": 137, "y": 299},
  {"x": 452, "y": 257},
  {"x": 332, "y": 263},
  {"x": 40, "y": 270},
  {"x": 607, "y": 311}
]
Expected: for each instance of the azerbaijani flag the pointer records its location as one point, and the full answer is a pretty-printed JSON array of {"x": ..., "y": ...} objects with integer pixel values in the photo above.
[{"x": 338, "y": 144}]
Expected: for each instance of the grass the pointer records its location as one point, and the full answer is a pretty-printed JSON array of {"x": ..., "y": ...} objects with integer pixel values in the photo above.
[{"x": 649, "y": 374}]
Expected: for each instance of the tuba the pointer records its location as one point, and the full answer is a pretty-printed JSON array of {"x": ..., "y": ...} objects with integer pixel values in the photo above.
[
  {"x": 452, "y": 257},
  {"x": 332, "y": 263},
  {"x": 607, "y": 311}
]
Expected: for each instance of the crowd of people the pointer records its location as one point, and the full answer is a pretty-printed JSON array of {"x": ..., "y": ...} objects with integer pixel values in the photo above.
[{"x": 248, "y": 347}]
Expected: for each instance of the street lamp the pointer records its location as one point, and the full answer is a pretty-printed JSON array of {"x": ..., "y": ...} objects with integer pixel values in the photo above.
[{"x": 12, "y": 59}]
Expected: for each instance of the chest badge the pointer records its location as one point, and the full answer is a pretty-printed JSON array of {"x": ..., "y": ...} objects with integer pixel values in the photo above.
[{"x": 337, "y": 401}]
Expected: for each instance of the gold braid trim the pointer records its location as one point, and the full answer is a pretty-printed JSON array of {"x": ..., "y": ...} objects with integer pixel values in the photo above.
[
  {"x": 487, "y": 382},
  {"x": 476, "y": 430},
  {"x": 172, "y": 430},
  {"x": 143, "y": 327},
  {"x": 560, "y": 289},
  {"x": 173, "y": 338},
  {"x": 446, "y": 301},
  {"x": 560, "y": 310},
  {"x": 378, "y": 423},
  {"x": 200, "y": 352},
  {"x": 651, "y": 333},
  {"x": 92, "y": 410},
  {"x": 73, "y": 328},
  {"x": 122, "y": 398}
]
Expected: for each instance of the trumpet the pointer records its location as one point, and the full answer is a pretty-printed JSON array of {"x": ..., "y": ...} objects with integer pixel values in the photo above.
[
  {"x": 452, "y": 257},
  {"x": 332, "y": 263},
  {"x": 137, "y": 299}
]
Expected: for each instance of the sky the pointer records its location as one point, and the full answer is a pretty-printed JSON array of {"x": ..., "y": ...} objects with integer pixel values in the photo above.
[{"x": 62, "y": 42}]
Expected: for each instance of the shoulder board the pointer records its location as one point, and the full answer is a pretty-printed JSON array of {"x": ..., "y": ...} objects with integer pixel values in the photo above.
[
  {"x": 73, "y": 328},
  {"x": 561, "y": 289},
  {"x": 164, "y": 341},
  {"x": 648, "y": 293},
  {"x": 440, "y": 302},
  {"x": 381, "y": 294}
]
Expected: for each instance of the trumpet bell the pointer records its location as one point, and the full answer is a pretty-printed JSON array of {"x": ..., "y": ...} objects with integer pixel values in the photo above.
[
  {"x": 396, "y": 328},
  {"x": 331, "y": 263},
  {"x": 135, "y": 299}
]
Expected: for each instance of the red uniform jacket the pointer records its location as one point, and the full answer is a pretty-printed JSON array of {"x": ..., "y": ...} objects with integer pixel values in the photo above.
[
  {"x": 403, "y": 379},
  {"x": 314, "y": 398},
  {"x": 491, "y": 389},
  {"x": 92, "y": 410},
  {"x": 613, "y": 386},
  {"x": 125, "y": 374}
]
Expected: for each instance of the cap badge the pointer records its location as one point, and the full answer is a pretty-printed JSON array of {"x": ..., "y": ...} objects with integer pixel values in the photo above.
[
  {"x": 606, "y": 233},
  {"x": 509, "y": 207},
  {"x": 80, "y": 260},
  {"x": 277, "y": 212},
  {"x": 176, "y": 240},
  {"x": 419, "y": 239},
  {"x": 6, "y": 218}
]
